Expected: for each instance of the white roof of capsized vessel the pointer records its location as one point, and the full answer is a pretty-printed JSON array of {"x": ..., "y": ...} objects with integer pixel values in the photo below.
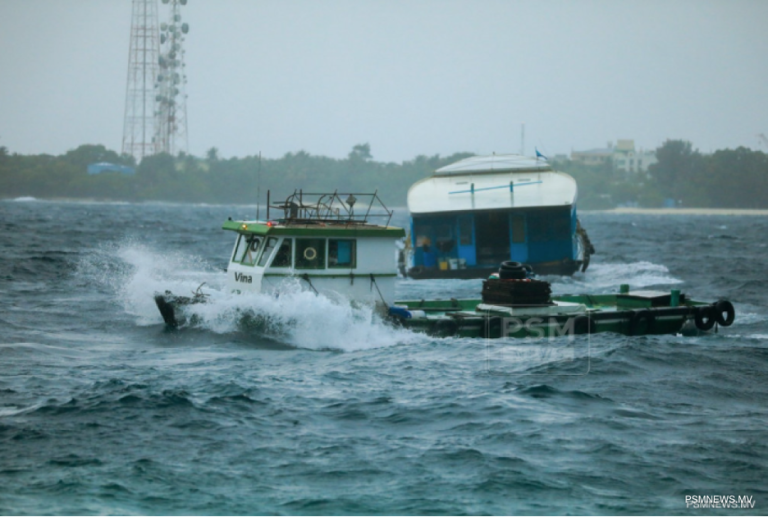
[
  {"x": 494, "y": 163},
  {"x": 450, "y": 189}
]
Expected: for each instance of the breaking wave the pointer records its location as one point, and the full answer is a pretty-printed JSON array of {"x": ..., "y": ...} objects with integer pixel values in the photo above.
[
  {"x": 300, "y": 318},
  {"x": 605, "y": 278}
]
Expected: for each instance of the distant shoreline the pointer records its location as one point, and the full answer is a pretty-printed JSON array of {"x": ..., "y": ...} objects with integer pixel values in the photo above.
[
  {"x": 622, "y": 210},
  {"x": 682, "y": 211}
]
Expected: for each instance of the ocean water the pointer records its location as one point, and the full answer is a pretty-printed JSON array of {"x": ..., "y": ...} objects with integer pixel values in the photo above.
[{"x": 305, "y": 405}]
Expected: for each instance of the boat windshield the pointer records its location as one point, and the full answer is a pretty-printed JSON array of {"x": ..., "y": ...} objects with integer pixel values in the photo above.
[
  {"x": 248, "y": 249},
  {"x": 283, "y": 255},
  {"x": 271, "y": 243}
]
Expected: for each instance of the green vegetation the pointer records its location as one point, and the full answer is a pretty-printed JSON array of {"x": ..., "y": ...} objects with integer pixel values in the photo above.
[
  {"x": 726, "y": 179},
  {"x": 211, "y": 179}
]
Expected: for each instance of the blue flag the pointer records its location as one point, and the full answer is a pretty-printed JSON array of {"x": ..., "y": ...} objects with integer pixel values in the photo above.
[{"x": 539, "y": 155}]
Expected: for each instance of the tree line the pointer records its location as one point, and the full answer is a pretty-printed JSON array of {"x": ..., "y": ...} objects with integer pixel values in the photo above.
[
  {"x": 682, "y": 176},
  {"x": 730, "y": 178},
  {"x": 187, "y": 178}
]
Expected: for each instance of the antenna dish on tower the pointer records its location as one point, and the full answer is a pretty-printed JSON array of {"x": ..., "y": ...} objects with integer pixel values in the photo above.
[{"x": 171, "y": 118}]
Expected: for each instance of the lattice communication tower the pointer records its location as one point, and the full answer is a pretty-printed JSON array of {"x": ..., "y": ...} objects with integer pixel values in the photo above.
[
  {"x": 156, "y": 100},
  {"x": 139, "y": 121}
]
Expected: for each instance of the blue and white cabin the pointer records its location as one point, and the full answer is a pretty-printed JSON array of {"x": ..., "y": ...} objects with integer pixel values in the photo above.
[{"x": 471, "y": 215}]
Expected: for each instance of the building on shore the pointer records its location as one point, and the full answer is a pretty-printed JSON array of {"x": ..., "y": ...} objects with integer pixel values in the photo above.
[
  {"x": 622, "y": 155},
  {"x": 98, "y": 168}
]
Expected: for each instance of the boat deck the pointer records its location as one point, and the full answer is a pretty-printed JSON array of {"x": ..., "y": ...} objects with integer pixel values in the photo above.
[{"x": 640, "y": 312}]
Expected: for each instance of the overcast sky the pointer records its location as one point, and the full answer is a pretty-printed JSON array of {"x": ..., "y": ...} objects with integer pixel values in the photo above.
[{"x": 409, "y": 77}]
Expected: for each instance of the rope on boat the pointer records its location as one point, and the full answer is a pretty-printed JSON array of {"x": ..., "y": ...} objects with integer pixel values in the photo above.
[
  {"x": 198, "y": 293},
  {"x": 305, "y": 276},
  {"x": 589, "y": 249},
  {"x": 374, "y": 284}
]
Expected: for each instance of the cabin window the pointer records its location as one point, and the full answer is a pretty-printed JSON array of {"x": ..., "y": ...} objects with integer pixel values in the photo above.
[
  {"x": 250, "y": 249},
  {"x": 444, "y": 232},
  {"x": 550, "y": 226},
  {"x": 342, "y": 253},
  {"x": 239, "y": 248},
  {"x": 271, "y": 243},
  {"x": 445, "y": 241},
  {"x": 283, "y": 256},
  {"x": 561, "y": 227},
  {"x": 465, "y": 231},
  {"x": 538, "y": 226},
  {"x": 310, "y": 254},
  {"x": 423, "y": 232},
  {"x": 518, "y": 229}
]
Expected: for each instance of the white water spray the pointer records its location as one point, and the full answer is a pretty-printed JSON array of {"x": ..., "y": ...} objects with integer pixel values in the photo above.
[
  {"x": 606, "y": 278},
  {"x": 296, "y": 317}
]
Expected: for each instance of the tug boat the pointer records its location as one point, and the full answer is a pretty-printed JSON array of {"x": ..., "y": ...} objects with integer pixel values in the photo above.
[
  {"x": 331, "y": 249},
  {"x": 473, "y": 214},
  {"x": 522, "y": 306},
  {"x": 321, "y": 239}
]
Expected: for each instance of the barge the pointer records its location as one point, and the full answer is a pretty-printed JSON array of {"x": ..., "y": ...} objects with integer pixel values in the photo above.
[{"x": 630, "y": 313}]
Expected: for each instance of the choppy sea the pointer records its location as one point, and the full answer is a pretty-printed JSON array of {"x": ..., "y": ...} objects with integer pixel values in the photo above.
[{"x": 328, "y": 410}]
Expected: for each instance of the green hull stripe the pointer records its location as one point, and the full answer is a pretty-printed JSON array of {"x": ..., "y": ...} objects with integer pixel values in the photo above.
[
  {"x": 259, "y": 229},
  {"x": 313, "y": 231},
  {"x": 357, "y": 276}
]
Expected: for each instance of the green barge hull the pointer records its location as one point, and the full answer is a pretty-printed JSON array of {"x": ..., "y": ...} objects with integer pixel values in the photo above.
[{"x": 629, "y": 313}]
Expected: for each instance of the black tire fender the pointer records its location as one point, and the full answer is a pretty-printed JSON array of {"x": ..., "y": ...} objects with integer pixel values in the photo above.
[
  {"x": 512, "y": 274},
  {"x": 724, "y": 313},
  {"x": 705, "y": 317}
]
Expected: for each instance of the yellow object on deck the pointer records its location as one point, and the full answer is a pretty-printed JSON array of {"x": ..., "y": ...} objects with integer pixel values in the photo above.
[{"x": 443, "y": 265}]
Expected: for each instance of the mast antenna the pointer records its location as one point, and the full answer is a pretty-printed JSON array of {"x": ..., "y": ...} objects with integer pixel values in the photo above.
[{"x": 258, "y": 188}]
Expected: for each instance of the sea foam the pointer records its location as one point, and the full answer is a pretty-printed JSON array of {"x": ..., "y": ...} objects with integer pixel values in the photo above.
[{"x": 294, "y": 316}]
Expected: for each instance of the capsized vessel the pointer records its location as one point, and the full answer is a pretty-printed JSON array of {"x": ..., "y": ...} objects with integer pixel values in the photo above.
[{"x": 473, "y": 214}]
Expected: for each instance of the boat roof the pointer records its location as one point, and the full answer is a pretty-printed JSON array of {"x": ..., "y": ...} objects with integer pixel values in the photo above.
[
  {"x": 494, "y": 163},
  {"x": 308, "y": 228},
  {"x": 492, "y": 182},
  {"x": 470, "y": 192}
]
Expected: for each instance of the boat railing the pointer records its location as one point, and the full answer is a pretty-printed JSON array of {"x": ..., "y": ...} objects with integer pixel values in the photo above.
[{"x": 333, "y": 207}]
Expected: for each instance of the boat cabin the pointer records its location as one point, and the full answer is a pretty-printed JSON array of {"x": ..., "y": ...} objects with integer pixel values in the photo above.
[
  {"x": 470, "y": 216},
  {"x": 323, "y": 243}
]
